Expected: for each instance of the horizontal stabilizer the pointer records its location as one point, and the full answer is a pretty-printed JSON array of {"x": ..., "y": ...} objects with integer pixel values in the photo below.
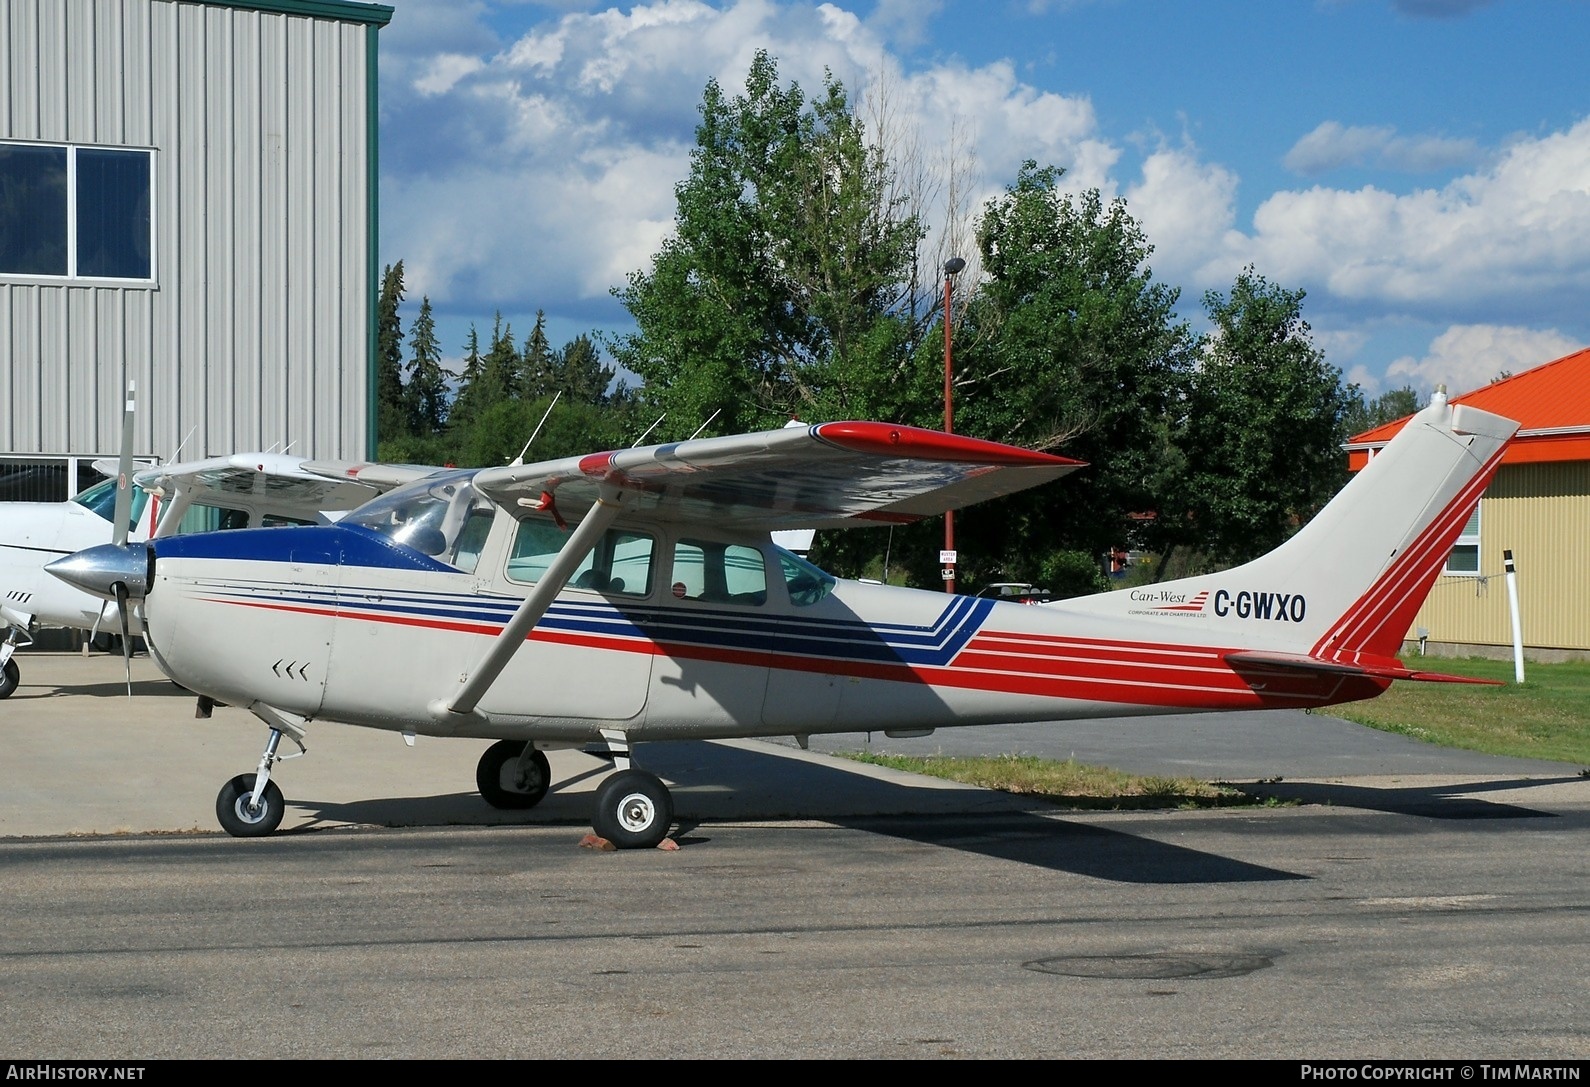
[{"x": 1379, "y": 668}]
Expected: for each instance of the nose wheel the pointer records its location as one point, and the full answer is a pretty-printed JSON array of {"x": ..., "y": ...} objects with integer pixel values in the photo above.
[{"x": 243, "y": 817}]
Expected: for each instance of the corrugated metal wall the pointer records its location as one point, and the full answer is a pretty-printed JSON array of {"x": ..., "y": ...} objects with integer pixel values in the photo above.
[
  {"x": 255, "y": 334},
  {"x": 1541, "y": 512}
]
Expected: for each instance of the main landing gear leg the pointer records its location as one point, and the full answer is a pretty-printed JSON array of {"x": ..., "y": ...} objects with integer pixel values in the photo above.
[
  {"x": 251, "y": 805},
  {"x": 633, "y": 807}
]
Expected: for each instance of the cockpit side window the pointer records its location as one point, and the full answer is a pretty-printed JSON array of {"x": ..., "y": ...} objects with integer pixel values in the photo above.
[
  {"x": 101, "y": 498},
  {"x": 619, "y": 565}
]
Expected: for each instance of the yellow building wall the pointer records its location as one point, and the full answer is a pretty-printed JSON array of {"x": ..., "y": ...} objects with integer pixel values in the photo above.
[{"x": 1541, "y": 512}]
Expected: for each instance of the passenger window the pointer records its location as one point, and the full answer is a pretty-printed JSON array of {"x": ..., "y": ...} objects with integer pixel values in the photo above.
[
  {"x": 619, "y": 565},
  {"x": 199, "y": 517},
  {"x": 719, "y": 573}
]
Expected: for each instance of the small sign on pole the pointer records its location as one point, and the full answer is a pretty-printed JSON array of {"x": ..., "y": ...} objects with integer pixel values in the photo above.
[{"x": 948, "y": 573}]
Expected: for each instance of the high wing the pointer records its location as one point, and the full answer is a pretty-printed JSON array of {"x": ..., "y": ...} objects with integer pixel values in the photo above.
[
  {"x": 281, "y": 485},
  {"x": 828, "y": 475}
]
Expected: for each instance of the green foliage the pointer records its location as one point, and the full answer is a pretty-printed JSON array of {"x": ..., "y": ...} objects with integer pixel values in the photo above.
[
  {"x": 502, "y": 430},
  {"x": 1262, "y": 435},
  {"x": 776, "y": 295},
  {"x": 392, "y": 416},
  {"x": 425, "y": 396},
  {"x": 536, "y": 364},
  {"x": 1071, "y": 347},
  {"x": 1368, "y": 414},
  {"x": 1072, "y": 573}
]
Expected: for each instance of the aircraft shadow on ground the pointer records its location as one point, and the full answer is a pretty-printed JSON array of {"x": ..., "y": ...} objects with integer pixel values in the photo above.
[
  {"x": 715, "y": 784},
  {"x": 141, "y": 688},
  {"x": 1430, "y": 802},
  {"x": 719, "y": 784}
]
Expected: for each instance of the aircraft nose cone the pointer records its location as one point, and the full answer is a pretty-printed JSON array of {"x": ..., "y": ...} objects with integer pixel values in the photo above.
[{"x": 99, "y": 570}]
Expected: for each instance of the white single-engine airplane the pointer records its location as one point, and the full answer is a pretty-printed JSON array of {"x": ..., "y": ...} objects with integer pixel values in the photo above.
[
  {"x": 637, "y": 595},
  {"x": 239, "y": 491}
]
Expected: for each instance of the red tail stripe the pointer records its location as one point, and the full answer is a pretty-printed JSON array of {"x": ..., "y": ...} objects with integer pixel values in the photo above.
[
  {"x": 1369, "y": 621},
  {"x": 1368, "y": 615}
]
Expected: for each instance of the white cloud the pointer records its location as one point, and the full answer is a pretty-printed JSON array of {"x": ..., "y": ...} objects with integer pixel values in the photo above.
[
  {"x": 1332, "y": 145},
  {"x": 571, "y": 138},
  {"x": 1510, "y": 243},
  {"x": 1467, "y": 357},
  {"x": 537, "y": 171},
  {"x": 1187, "y": 209}
]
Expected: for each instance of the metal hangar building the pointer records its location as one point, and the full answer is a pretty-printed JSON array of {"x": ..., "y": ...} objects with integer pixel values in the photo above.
[{"x": 188, "y": 204}]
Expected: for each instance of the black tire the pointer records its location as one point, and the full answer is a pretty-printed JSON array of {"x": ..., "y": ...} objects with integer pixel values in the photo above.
[
  {"x": 11, "y": 678},
  {"x": 633, "y": 810},
  {"x": 497, "y": 777},
  {"x": 231, "y": 808}
]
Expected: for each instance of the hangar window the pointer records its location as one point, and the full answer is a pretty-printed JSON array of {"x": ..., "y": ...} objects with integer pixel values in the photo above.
[
  {"x": 76, "y": 212},
  {"x": 1465, "y": 556}
]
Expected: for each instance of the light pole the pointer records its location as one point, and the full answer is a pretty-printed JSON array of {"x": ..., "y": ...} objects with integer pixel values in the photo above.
[{"x": 952, "y": 268}]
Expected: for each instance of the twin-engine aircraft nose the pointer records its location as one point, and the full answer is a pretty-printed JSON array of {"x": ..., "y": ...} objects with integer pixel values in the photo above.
[{"x": 99, "y": 570}]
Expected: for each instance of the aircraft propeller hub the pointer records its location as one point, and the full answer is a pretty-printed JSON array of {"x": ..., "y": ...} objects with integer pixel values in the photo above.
[{"x": 101, "y": 570}]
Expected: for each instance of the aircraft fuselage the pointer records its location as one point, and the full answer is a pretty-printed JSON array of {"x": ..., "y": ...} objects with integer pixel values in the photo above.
[{"x": 342, "y": 624}]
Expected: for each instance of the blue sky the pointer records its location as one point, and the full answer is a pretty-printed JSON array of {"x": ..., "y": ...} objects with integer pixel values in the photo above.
[{"x": 1421, "y": 168}]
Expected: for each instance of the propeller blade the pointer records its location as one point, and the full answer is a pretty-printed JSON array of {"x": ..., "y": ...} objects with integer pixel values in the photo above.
[
  {"x": 124, "y": 470},
  {"x": 126, "y": 635}
]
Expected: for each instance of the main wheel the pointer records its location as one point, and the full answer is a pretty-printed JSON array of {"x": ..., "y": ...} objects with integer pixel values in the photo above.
[
  {"x": 633, "y": 810},
  {"x": 241, "y": 821},
  {"x": 11, "y": 678},
  {"x": 500, "y": 783}
]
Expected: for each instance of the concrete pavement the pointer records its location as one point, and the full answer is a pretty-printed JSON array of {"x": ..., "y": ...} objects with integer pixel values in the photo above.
[{"x": 79, "y": 757}]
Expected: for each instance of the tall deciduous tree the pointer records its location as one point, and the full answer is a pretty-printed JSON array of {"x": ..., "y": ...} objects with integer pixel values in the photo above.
[
  {"x": 1070, "y": 346},
  {"x": 1264, "y": 426},
  {"x": 778, "y": 293}
]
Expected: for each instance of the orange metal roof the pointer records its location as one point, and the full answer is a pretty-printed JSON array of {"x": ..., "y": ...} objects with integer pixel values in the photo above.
[{"x": 1551, "y": 403}]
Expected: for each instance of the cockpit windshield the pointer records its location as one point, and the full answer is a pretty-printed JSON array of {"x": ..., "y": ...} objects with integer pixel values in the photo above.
[
  {"x": 441, "y": 515},
  {"x": 807, "y": 584},
  {"x": 101, "y": 498}
]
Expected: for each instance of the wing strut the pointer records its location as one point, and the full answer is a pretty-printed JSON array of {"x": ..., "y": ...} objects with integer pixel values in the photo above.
[{"x": 580, "y": 542}]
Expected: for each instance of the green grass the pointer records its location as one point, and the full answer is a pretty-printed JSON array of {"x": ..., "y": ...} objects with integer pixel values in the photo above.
[
  {"x": 1068, "y": 783},
  {"x": 1545, "y": 717}
]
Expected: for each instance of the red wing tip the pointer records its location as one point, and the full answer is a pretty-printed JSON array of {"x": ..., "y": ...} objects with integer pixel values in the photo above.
[{"x": 891, "y": 439}]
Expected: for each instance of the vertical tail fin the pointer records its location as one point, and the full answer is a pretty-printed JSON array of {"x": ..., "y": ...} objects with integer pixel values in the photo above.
[{"x": 1346, "y": 588}]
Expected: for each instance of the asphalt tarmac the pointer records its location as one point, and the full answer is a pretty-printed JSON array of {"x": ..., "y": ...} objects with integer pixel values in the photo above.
[
  {"x": 1421, "y": 904},
  {"x": 79, "y": 756}
]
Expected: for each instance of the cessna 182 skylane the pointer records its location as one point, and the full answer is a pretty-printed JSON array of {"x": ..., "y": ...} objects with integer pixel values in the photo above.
[
  {"x": 238, "y": 491},
  {"x": 637, "y": 595}
]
